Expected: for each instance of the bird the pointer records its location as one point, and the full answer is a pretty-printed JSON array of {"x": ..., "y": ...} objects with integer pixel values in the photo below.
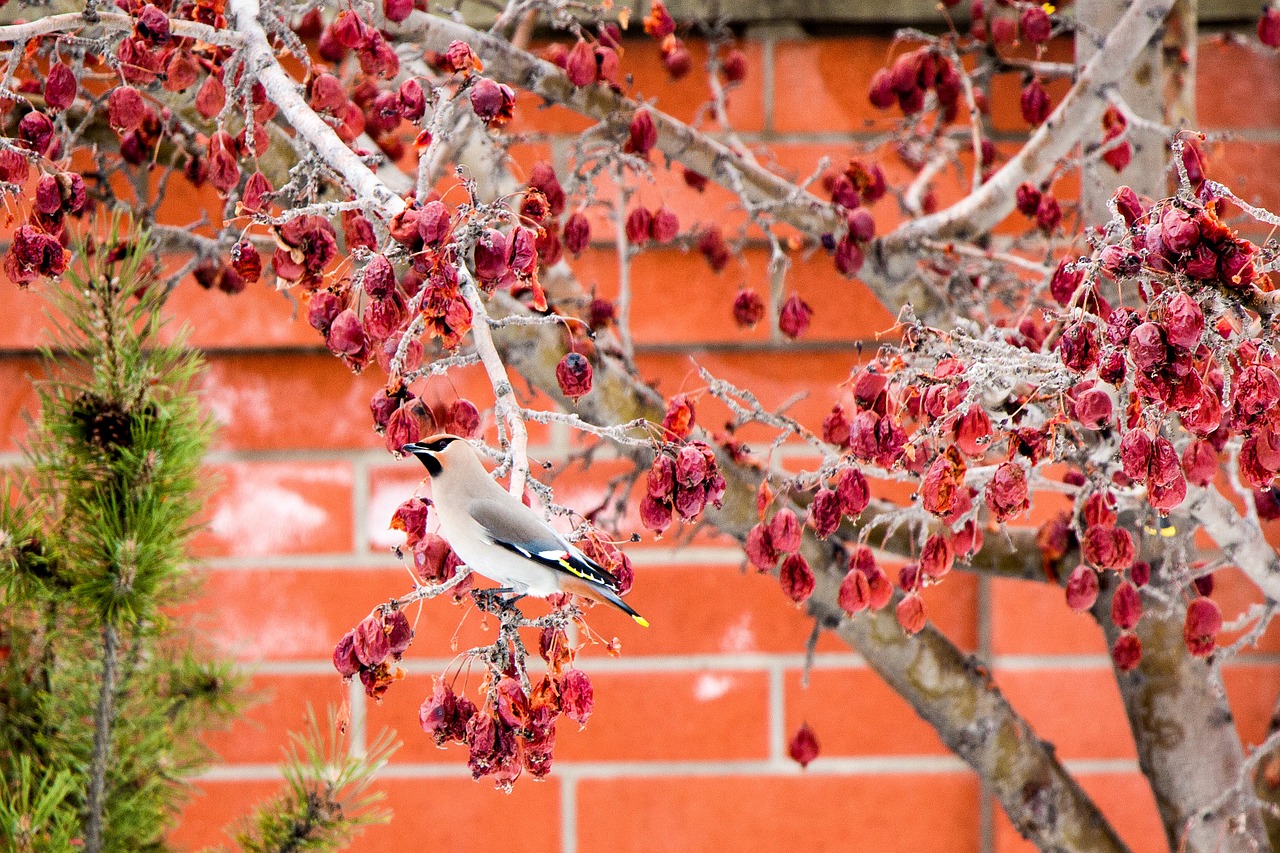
[{"x": 496, "y": 535}]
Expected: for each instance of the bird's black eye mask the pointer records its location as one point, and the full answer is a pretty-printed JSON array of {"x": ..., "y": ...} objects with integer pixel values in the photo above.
[{"x": 425, "y": 452}]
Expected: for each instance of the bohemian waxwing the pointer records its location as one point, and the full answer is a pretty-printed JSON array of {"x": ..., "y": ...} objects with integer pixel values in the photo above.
[{"x": 499, "y": 537}]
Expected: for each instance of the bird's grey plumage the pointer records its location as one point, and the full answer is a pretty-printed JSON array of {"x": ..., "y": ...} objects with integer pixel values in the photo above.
[{"x": 496, "y": 535}]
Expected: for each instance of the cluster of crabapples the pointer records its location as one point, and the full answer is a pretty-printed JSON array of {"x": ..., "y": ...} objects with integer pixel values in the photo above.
[
  {"x": 1168, "y": 384},
  {"x": 513, "y": 728},
  {"x": 512, "y": 731}
]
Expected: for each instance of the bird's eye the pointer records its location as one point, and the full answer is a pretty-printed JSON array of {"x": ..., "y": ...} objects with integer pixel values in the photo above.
[{"x": 437, "y": 446}]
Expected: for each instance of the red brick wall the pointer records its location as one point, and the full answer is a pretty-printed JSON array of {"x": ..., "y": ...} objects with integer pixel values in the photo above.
[{"x": 687, "y": 748}]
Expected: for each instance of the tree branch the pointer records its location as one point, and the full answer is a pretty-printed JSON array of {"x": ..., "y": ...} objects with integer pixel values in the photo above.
[
  {"x": 945, "y": 687},
  {"x": 1188, "y": 746},
  {"x": 891, "y": 260}
]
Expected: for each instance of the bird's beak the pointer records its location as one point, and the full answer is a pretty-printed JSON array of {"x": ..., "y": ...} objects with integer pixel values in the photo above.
[{"x": 413, "y": 448}]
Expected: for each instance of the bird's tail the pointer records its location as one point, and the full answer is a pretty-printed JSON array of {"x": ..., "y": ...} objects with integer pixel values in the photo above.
[{"x": 599, "y": 592}]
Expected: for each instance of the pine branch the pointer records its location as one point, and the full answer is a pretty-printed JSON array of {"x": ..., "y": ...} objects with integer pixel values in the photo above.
[{"x": 327, "y": 799}]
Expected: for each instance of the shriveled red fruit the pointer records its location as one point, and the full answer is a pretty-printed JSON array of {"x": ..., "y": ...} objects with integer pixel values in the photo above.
[
  {"x": 371, "y": 643},
  {"x": 638, "y": 224},
  {"x": 1127, "y": 652},
  {"x": 973, "y": 431},
  {"x": 641, "y": 134},
  {"x": 1048, "y": 213},
  {"x": 577, "y": 697},
  {"x": 734, "y": 66},
  {"x": 1027, "y": 199},
  {"x": 824, "y": 512},
  {"x": 344, "y": 656},
  {"x": 577, "y": 233},
  {"x": 759, "y": 547},
  {"x": 412, "y": 99},
  {"x": 580, "y": 65},
  {"x": 1082, "y": 588},
  {"x": 1269, "y": 27},
  {"x": 1203, "y": 622},
  {"x": 256, "y": 189},
  {"x": 1093, "y": 409},
  {"x": 1006, "y": 494},
  {"x": 574, "y": 375},
  {"x": 676, "y": 59},
  {"x": 803, "y": 747},
  {"x": 1036, "y": 25},
  {"x": 937, "y": 556},
  {"x": 853, "y": 491},
  {"x": 680, "y": 418},
  {"x": 444, "y": 715},
  {"x": 855, "y": 592},
  {"x": 911, "y": 613},
  {"x": 1200, "y": 462},
  {"x": 492, "y": 102},
  {"x": 1035, "y": 103},
  {"x": 796, "y": 578},
  {"x": 655, "y": 514},
  {"x": 1126, "y": 606},
  {"x": 60, "y": 87},
  {"x": 714, "y": 249},
  {"x": 785, "y": 531},
  {"x": 748, "y": 308},
  {"x": 463, "y": 418},
  {"x": 125, "y": 108},
  {"x": 665, "y": 225}
]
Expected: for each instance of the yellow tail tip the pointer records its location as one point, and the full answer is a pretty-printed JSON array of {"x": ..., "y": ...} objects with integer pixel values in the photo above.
[{"x": 641, "y": 621}]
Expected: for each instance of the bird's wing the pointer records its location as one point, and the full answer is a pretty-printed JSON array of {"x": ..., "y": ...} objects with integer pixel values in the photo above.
[{"x": 514, "y": 526}]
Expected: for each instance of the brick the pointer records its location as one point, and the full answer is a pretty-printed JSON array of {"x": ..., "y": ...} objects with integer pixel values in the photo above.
[
  {"x": 1235, "y": 594},
  {"x": 1082, "y": 716},
  {"x": 821, "y": 85},
  {"x": 265, "y": 508},
  {"x": 17, "y": 400},
  {"x": 584, "y": 489},
  {"x": 1230, "y": 87},
  {"x": 261, "y": 316},
  {"x": 215, "y": 809},
  {"x": 1252, "y": 691},
  {"x": 390, "y": 486},
  {"x": 534, "y": 115},
  {"x": 459, "y": 814},
  {"x": 1245, "y": 167},
  {"x": 647, "y": 80},
  {"x": 685, "y": 99},
  {"x": 300, "y": 614},
  {"x": 952, "y": 608},
  {"x": 638, "y": 716},
  {"x": 854, "y": 712},
  {"x": 268, "y": 402},
  {"x": 446, "y": 814},
  {"x": 672, "y": 717},
  {"x": 1124, "y": 799},
  {"x": 1006, "y": 90},
  {"x": 23, "y": 325},
  {"x": 776, "y": 377},
  {"x": 261, "y": 734},
  {"x": 762, "y": 813},
  {"x": 696, "y": 210},
  {"x": 708, "y": 610},
  {"x": 1032, "y": 618},
  {"x": 797, "y": 160},
  {"x": 677, "y": 298}
]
